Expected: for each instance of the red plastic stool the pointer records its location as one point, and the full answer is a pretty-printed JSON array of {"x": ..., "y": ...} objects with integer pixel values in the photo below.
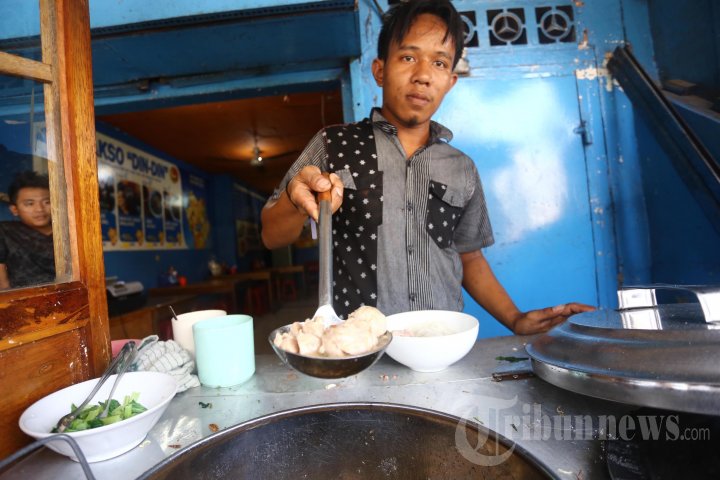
[
  {"x": 256, "y": 301},
  {"x": 288, "y": 291}
]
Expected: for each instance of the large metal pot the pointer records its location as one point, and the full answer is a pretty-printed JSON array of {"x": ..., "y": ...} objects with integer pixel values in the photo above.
[{"x": 352, "y": 441}]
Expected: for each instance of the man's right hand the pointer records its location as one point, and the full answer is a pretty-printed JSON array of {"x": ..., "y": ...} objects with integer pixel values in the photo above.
[
  {"x": 302, "y": 189},
  {"x": 283, "y": 219}
]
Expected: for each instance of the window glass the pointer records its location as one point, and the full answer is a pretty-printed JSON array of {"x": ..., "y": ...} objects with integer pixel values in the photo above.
[{"x": 31, "y": 189}]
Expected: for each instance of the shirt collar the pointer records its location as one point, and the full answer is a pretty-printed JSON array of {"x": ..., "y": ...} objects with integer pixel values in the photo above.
[{"x": 438, "y": 132}]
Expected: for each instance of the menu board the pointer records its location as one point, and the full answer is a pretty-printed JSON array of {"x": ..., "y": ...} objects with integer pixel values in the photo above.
[
  {"x": 145, "y": 202},
  {"x": 142, "y": 202}
]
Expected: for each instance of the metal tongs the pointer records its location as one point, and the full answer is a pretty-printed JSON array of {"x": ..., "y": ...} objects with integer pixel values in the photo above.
[{"x": 119, "y": 365}]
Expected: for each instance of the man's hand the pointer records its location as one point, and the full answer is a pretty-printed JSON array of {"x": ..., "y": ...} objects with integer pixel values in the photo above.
[
  {"x": 283, "y": 219},
  {"x": 539, "y": 321},
  {"x": 301, "y": 190}
]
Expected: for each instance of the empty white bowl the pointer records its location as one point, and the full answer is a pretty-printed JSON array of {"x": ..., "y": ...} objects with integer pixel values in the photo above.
[
  {"x": 446, "y": 338},
  {"x": 156, "y": 390}
]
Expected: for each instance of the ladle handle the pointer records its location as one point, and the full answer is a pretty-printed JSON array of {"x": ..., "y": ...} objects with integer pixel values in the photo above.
[
  {"x": 325, "y": 246},
  {"x": 325, "y": 195}
]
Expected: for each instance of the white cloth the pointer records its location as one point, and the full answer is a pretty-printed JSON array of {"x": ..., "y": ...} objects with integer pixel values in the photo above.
[{"x": 169, "y": 357}]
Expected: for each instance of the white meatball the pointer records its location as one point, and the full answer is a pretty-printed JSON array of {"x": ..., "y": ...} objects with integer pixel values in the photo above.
[
  {"x": 287, "y": 342},
  {"x": 308, "y": 344},
  {"x": 358, "y": 335},
  {"x": 371, "y": 318}
]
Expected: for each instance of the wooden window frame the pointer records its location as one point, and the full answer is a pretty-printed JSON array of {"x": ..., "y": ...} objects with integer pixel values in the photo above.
[{"x": 57, "y": 335}]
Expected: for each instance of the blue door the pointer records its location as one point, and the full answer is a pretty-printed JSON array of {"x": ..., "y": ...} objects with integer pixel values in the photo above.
[{"x": 522, "y": 135}]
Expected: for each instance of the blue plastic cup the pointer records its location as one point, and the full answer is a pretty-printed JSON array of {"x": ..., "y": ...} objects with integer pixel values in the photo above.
[{"x": 224, "y": 350}]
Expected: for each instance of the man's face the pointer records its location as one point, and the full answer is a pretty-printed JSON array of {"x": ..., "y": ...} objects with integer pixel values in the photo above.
[
  {"x": 417, "y": 73},
  {"x": 33, "y": 207}
]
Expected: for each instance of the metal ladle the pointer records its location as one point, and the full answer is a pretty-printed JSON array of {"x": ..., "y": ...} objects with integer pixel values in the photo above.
[
  {"x": 324, "y": 367},
  {"x": 325, "y": 309}
]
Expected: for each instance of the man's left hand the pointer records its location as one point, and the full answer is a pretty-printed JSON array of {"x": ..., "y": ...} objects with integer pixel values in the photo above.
[{"x": 542, "y": 320}]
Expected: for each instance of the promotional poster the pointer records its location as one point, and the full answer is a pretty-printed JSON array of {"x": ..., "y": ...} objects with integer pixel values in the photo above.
[{"x": 144, "y": 203}]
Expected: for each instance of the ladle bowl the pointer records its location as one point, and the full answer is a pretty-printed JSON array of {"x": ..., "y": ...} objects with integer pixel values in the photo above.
[{"x": 328, "y": 367}]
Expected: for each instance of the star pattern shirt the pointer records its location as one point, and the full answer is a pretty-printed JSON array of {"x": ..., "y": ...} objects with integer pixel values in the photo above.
[
  {"x": 442, "y": 215},
  {"x": 405, "y": 218}
]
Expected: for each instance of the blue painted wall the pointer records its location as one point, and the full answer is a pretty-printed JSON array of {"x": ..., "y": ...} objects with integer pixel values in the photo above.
[
  {"x": 686, "y": 36},
  {"x": 618, "y": 197},
  {"x": 684, "y": 245},
  {"x": 680, "y": 242},
  {"x": 20, "y": 18},
  {"x": 550, "y": 196},
  {"x": 627, "y": 215}
]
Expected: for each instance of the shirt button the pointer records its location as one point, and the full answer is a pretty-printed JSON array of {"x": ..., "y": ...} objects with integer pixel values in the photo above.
[
  {"x": 409, "y": 207},
  {"x": 410, "y": 250},
  {"x": 412, "y": 297}
]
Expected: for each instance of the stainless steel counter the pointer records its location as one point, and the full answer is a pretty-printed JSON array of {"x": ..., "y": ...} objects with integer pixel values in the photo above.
[{"x": 554, "y": 425}]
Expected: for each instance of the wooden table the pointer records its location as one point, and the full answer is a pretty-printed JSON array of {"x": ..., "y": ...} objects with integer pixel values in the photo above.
[
  {"x": 154, "y": 317},
  {"x": 208, "y": 287},
  {"x": 290, "y": 270},
  {"x": 254, "y": 276},
  {"x": 223, "y": 284},
  {"x": 227, "y": 284}
]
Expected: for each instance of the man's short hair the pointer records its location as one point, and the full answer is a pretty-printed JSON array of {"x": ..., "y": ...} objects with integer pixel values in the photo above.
[
  {"x": 27, "y": 179},
  {"x": 398, "y": 20}
]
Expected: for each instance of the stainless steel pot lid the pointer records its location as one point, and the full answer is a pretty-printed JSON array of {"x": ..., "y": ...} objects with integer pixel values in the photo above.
[{"x": 665, "y": 356}]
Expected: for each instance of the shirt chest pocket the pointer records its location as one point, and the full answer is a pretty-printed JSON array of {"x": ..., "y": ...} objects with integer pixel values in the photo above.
[
  {"x": 444, "y": 209},
  {"x": 361, "y": 209}
]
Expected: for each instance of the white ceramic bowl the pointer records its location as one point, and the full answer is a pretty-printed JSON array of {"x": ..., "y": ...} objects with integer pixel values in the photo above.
[
  {"x": 454, "y": 334},
  {"x": 156, "y": 390}
]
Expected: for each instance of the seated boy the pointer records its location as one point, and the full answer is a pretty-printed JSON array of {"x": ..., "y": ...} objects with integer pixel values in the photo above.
[{"x": 26, "y": 246}]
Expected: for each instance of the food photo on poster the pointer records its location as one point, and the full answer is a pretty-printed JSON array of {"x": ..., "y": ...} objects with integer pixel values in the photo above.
[
  {"x": 197, "y": 227},
  {"x": 108, "y": 219},
  {"x": 129, "y": 217},
  {"x": 153, "y": 208}
]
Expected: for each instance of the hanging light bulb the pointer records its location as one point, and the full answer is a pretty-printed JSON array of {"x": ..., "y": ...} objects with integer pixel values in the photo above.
[{"x": 257, "y": 158}]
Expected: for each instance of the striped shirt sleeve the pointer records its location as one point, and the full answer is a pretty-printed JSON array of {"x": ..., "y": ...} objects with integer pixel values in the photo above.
[
  {"x": 474, "y": 230},
  {"x": 314, "y": 154}
]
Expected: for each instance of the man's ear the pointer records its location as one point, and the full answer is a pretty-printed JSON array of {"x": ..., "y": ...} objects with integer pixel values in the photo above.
[
  {"x": 14, "y": 210},
  {"x": 453, "y": 80},
  {"x": 378, "y": 69}
]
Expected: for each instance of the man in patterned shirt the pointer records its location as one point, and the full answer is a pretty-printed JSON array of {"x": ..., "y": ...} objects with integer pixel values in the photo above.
[
  {"x": 409, "y": 214},
  {"x": 26, "y": 247}
]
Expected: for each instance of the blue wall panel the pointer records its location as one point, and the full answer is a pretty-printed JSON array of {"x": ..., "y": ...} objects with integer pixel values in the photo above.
[
  {"x": 687, "y": 40},
  {"x": 679, "y": 244},
  {"x": 571, "y": 221},
  {"x": 685, "y": 247},
  {"x": 534, "y": 177},
  {"x": 632, "y": 224}
]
